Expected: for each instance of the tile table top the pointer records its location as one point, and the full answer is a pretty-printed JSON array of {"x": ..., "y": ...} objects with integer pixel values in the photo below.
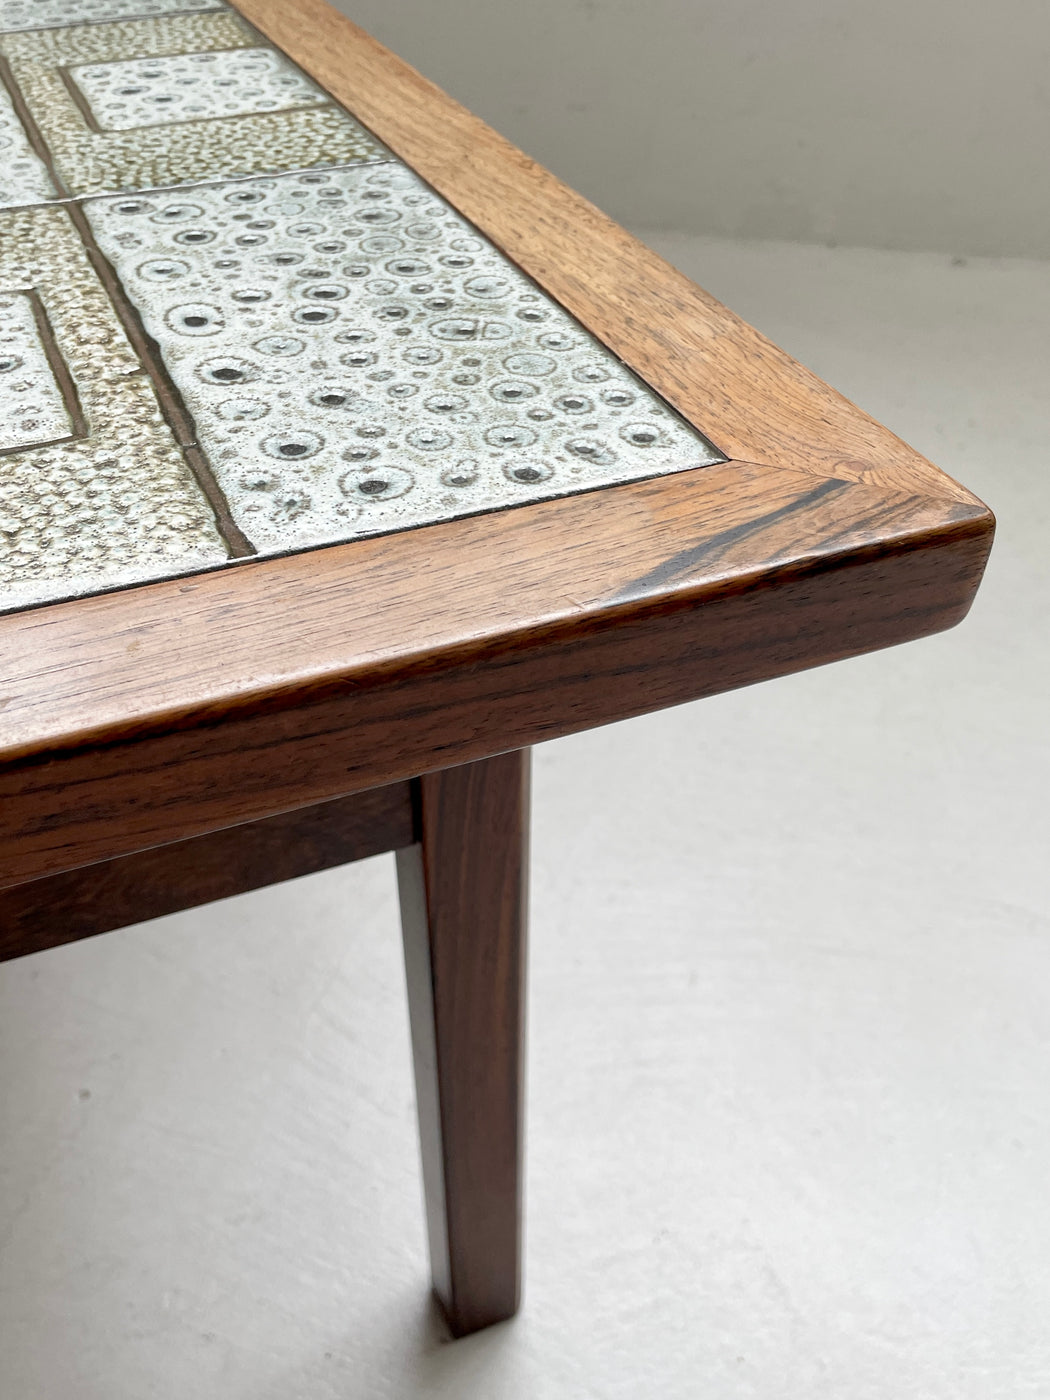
[
  {"x": 264, "y": 333},
  {"x": 233, "y": 324}
]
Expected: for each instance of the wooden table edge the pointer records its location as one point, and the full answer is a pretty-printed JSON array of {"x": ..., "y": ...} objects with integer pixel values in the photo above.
[
  {"x": 144, "y": 660},
  {"x": 698, "y": 630}
]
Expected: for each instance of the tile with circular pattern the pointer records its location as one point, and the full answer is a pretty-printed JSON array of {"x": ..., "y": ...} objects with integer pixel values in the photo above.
[
  {"x": 191, "y": 87},
  {"x": 358, "y": 359}
]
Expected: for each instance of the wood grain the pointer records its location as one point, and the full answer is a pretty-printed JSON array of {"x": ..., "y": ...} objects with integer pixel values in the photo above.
[
  {"x": 138, "y": 718},
  {"x": 463, "y": 910},
  {"x": 80, "y": 903},
  {"x": 750, "y": 398}
]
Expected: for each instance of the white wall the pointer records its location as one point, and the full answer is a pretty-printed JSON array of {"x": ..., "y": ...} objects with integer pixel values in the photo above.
[{"x": 888, "y": 123}]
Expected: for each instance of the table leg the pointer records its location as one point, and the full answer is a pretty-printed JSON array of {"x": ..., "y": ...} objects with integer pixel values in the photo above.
[{"x": 463, "y": 899}]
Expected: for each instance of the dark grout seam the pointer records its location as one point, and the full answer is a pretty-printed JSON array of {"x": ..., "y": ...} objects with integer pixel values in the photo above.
[
  {"x": 176, "y": 414},
  {"x": 32, "y": 131},
  {"x": 56, "y": 360},
  {"x": 186, "y": 185},
  {"x": 113, "y": 19},
  {"x": 174, "y": 409},
  {"x": 78, "y": 99}
]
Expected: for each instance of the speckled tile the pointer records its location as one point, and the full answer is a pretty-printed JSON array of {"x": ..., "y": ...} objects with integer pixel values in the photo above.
[
  {"x": 24, "y": 178},
  {"x": 112, "y": 501},
  {"x": 33, "y": 409},
  {"x": 48, "y": 63},
  {"x": 358, "y": 359},
  {"x": 139, "y": 92},
  {"x": 51, "y": 14}
]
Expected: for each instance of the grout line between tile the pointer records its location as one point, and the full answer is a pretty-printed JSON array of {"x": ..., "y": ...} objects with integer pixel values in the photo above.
[
  {"x": 188, "y": 184},
  {"x": 48, "y": 442},
  {"x": 66, "y": 384},
  {"x": 78, "y": 99},
  {"x": 116, "y": 19},
  {"x": 237, "y": 179},
  {"x": 33, "y": 133},
  {"x": 178, "y": 416},
  {"x": 238, "y": 543},
  {"x": 175, "y": 412}
]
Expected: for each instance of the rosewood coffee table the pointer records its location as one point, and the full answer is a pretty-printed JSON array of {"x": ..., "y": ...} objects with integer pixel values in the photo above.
[{"x": 346, "y": 453}]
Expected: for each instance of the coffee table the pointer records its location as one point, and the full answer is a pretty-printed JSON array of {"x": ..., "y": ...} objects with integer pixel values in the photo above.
[{"x": 345, "y": 454}]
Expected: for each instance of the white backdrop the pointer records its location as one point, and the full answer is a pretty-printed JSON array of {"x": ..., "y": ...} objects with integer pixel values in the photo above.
[{"x": 901, "y": 124}]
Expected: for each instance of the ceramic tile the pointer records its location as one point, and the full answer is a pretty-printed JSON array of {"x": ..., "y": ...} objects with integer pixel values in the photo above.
[
  {"x": 192, "y": 87},
  {"x": 33, "y": 409},
  {"x": 23, "y": 175},
  {"x": 51, "y": 14},
  {"x": 53, "y": 68},
  {"x": 94, "y": 491},
  {"x": 358, "y": 359}
]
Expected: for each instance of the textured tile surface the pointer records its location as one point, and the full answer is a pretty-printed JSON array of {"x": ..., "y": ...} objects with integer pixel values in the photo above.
[
  {"x": 49, "y": 14},
  {"x": 358, "y": 359},
  {"x": 116, "y": 504},
  {"x": 33, "y": 409},
  {"x": 24, "y": 178},
  {"x": 192, "y": 87},
  {"x": 91, "y": 161}
]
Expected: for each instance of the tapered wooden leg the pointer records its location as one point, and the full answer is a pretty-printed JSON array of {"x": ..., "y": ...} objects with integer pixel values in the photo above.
[{"x": 463, "y": 900}]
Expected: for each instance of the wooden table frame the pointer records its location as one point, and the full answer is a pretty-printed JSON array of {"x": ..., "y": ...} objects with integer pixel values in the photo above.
[{"x": 235, "y": 702}]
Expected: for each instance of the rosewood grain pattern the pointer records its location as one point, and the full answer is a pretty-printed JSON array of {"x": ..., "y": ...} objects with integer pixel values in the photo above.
[
  {"x": 753, "y": 401},
  {"x": 711, "y": 623},
  {"x": 463, "y": 909},
  {"x": 186, "y": 652},
  {"x": 81, "y": 903}
]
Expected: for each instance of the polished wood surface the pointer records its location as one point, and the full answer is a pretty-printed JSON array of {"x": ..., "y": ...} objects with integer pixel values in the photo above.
[
  {"x": 80, "y": 903},
  {"x": 463, "y": 902},
  {"x": 157, "y": 714},
  {"x": 149, "y": 716}
]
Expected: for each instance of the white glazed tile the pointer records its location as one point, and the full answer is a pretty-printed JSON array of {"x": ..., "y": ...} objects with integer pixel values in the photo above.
[
  {"x": 51, "y": 14},
  {"x": 192, "y": 87},
  {"x": 114, "y": 502},
  {"x": 23, "y": 175},
  {"x": 32, "y": 409},
  {"x": 359, "y": 360}
]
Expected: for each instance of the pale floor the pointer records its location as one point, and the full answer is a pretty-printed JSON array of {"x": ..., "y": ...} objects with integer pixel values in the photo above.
[{"x": 789, "y": 1134}]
